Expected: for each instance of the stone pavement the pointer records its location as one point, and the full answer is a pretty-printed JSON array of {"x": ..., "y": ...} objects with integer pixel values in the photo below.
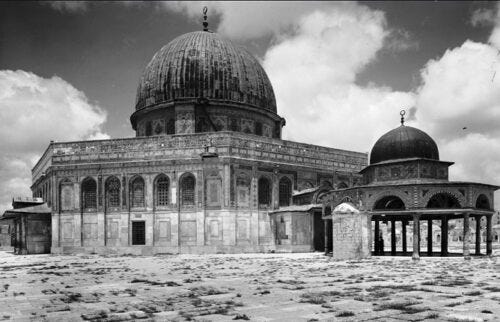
[{"x": 256, "y": 287}]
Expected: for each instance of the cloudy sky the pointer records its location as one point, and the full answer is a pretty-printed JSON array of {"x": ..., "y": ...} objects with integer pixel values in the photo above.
[{"x": 341, "y": 72}]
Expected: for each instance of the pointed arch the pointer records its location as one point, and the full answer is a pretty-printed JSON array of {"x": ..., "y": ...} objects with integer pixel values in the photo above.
[
  {"x": 137, "y": 192},
  {"x": 112, "y": 192},
  {"x": 264, "y": 192},
  {"x": 285, "y": 192},
  {"x": 162, "y": 190},
  {"x": 89, "y": 194},
  {"x": 187, "y": 189}
]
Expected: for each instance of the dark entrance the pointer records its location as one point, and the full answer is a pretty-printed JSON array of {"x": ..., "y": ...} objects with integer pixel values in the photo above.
[
  {"x": 138, "y": 233},
  {"x": 318, "y": 232}
]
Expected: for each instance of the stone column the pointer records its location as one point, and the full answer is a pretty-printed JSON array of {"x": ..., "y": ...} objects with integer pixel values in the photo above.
[
  {"x": 326, "y": 236},
  {"x": 444, "y": 236},
  {"x": 478, "y": 235},
  {"x": 377, "y": 237},
  {"x": 429, "y": 237},
  {"x": 393, "y": 237},
  {"x": 489, "y": 235},
  {"x": 416, "y": 235},
  {"x": 403, "y": 235},
  {"x": 466, "y": 236}
]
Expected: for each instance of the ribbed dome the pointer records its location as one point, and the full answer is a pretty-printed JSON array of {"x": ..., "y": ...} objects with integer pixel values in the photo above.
[
  {"x": 402, "y": 143},
  {"x": 202, "y": 64}
]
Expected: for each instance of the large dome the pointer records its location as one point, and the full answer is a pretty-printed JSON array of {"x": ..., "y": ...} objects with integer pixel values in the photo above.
[
  {"x": 202, "y": 64},
  {"x": 402, "y": 143}
]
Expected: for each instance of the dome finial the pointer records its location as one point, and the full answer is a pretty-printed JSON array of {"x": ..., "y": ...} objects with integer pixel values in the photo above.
[
  {"x": 205, "y": 22},
  {"x": 402, "y": 113}
]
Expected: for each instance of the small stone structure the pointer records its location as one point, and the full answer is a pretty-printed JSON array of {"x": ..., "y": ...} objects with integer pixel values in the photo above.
[
  {"x": 351, "y": 231},
  {"x": 31, "y": 225}
]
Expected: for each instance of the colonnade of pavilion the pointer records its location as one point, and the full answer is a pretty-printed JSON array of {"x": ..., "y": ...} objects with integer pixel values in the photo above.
[{"x": 442, "y": 215}]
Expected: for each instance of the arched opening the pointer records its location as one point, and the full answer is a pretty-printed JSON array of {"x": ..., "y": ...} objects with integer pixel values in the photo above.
[
  {"x": 443, "y": 201},
  {"x": 187, "y": 184},
  {"x": 112, "y": 192},
  {"x": 483, "y": 202},
  {"x": 389, "y": 203},
  {"x": 264, "y": 186},
  {"x": 89, "y": 194},
  {"x": 162, "y": 185},
  {"x": 285, "y": 192},
  {"x": 137, "y": 193}
]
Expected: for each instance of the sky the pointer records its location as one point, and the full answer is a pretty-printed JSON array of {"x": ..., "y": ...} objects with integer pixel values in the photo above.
[{"x": 341, "y": 72}]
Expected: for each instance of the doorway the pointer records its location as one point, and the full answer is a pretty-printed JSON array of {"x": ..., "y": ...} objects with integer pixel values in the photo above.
[{"x": 138, "y": 233}]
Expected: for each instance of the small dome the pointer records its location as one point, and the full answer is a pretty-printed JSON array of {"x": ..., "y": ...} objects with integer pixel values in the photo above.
[
  {"x": 202, "y": 64},
  {"x": 402, "y": 143}
]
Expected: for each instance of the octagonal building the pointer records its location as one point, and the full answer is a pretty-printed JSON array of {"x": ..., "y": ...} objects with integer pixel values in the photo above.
[{"x": 204, "y": 171}]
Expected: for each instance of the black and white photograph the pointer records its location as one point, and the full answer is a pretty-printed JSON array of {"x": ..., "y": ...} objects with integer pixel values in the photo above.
[{"x": 250, "y": 160}]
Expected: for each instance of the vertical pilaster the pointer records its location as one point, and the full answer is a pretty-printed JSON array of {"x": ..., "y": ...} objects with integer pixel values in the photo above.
[
  {"x": 416, "y": 237},
  {"x": 377, "y": 237},
  {"x": 466, "y": 236}
]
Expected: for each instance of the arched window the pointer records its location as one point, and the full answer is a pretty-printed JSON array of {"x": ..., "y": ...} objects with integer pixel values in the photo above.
[
  {"x": 389, "y": 203},
  {"x": 187, "y": 190},
  {"x": 482, "y": 202},
  {"x": 264, "y": 192},
  {"x": 443, "y": 200},
  {"x": 112, "y": 192},
  {"x": 285, "y": 191},
  {"x": 89, "y": 194},
  {"x": 162, "y": 185},
  {"x": 137, "y": 193}
]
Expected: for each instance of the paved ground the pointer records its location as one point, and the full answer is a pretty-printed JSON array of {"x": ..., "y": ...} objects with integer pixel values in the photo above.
[{"x": 256, "y": 287}]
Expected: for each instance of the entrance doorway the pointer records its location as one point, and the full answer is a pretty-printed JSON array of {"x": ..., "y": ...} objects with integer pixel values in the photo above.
[
  {"x": 138, "y": 233},
  {"x": 318, "y": 232}
]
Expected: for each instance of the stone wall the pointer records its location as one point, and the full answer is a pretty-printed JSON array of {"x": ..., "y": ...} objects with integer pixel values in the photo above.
[{"x": 351, "y": 236}]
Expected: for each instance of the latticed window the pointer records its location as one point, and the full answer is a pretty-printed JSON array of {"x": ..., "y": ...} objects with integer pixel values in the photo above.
[
  {"x": 187, "y": 190},
  {"x": 162, "y": 186},
  {"x": 89, "y": 193},
  {"x": 113, "y": 192},
  {"x": 137, "y": 192},
  {"x": 264, "y": 192},
  {"x": 285, "y": 191}
]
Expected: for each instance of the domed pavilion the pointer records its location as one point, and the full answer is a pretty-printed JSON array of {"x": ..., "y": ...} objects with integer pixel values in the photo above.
[{"x": 406, "y": 183}]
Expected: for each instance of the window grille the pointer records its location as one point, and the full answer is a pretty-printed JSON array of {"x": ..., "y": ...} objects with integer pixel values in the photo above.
[
  {"x": 113, "y": 192},
  {"x": 162, "y": 186},
  {"x": 264, "y": 192},
  {"x": 187, "y": 186},
  {"x": 285, "y": 191},
  {"x": 137, "y": 193},
  {"x": 89, "y": 193}
]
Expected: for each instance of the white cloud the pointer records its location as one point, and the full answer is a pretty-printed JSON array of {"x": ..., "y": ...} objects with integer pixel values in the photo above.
[
  {"x": 483, "y": 17},
  {"x": 35, "y": 110},
  {"x": 313, "y": 73}
]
